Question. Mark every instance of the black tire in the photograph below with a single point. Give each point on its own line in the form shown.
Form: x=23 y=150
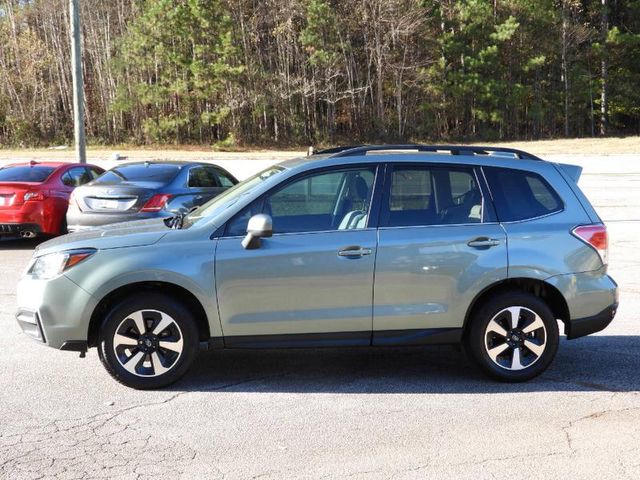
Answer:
x=155 y=308
x=479 y=340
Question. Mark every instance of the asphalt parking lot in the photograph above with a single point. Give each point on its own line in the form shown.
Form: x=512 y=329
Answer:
x=357 y=413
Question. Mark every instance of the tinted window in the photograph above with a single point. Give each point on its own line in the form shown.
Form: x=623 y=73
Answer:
x=432 y=196
x=95 y=172
x=140 y=172
x=74 y=177
x=203 y=177
x=519 y=195
x=229 y=197
x=226 y=180
x=337 y=200
x=25 y=174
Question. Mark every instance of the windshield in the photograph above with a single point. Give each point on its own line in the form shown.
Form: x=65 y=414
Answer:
x=140 y=172
x=25 y=174
x=229 y=197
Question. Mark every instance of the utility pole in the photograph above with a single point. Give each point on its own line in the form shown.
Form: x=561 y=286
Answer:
x=76 y=73
x=604 y=106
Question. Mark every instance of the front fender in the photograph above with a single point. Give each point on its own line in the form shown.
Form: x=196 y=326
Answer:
x=189 y=265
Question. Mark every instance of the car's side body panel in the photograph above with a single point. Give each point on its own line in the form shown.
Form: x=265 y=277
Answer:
x=296 y=284
x=427 y=276
x=586 y=293
x=178 y=259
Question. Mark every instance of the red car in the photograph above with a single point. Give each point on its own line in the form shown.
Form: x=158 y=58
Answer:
x=34 y=196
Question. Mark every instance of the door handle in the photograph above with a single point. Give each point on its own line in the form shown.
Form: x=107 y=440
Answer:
x=483 y=242
x=354 y=251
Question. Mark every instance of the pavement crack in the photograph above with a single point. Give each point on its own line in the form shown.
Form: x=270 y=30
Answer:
x=566 y=429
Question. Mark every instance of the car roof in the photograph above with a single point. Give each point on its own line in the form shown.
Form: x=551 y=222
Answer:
x=178 y=163
x=462 y=155
x=34 y=163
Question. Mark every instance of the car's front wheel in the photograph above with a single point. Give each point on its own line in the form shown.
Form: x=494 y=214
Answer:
x=148 y=341
x=513 y=337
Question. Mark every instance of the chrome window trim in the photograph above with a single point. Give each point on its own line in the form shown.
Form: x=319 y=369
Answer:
x=313 y=232
x=440 y=225
x=550 y=214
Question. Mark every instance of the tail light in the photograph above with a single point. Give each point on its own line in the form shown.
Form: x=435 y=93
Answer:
x=595 y=236
x=33 y=196
x=72 y=200
x=156 y=203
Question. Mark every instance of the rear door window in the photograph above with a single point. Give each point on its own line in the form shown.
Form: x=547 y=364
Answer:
x=74 y=177
x=422 y=195
x=95 y=172
x=226 y=180
x=520 y=195
x=203 y=177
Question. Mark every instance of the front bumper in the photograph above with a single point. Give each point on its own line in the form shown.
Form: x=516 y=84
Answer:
x=29 y=322
x=55 y=312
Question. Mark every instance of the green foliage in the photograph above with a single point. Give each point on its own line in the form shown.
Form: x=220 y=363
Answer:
x=320 y=36
x=182 y=52
x=224 y=73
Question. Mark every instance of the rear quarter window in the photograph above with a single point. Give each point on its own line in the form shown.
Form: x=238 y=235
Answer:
x=521 y=195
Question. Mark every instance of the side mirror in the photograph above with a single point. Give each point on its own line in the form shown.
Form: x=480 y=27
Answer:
x=259 y=226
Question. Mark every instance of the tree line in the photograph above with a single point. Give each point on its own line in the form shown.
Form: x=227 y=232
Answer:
x=285 y=72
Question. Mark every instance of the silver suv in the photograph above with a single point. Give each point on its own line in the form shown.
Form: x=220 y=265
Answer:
x=358 y=246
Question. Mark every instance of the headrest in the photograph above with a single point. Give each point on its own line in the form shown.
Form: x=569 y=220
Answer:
x=358 y=188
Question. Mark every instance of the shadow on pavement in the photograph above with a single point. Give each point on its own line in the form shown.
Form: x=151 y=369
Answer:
x=14 y=243
x=598 y=363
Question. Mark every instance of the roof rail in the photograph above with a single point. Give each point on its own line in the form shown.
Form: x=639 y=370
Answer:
x=332 y=150
x=452 y=149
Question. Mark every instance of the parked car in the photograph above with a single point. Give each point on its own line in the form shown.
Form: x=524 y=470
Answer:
x=142 y=190
x=371 y=245
x=34 y=196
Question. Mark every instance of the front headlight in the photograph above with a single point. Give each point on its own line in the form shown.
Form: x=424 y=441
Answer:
x=53 y=264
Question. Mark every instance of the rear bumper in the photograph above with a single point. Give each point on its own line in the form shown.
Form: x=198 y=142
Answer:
x=588 y=325
x=39 y=216
x=17 y=228
x=592 y=299
x=77 y=221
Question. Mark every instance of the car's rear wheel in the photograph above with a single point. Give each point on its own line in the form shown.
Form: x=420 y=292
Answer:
x=148 y=342
x=513 y=337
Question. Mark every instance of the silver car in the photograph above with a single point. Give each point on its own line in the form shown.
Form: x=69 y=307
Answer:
x=142 y=190
x=363 y=246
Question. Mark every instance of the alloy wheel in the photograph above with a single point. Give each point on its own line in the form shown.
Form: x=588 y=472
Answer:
x=148 y=343
x=515 y=338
